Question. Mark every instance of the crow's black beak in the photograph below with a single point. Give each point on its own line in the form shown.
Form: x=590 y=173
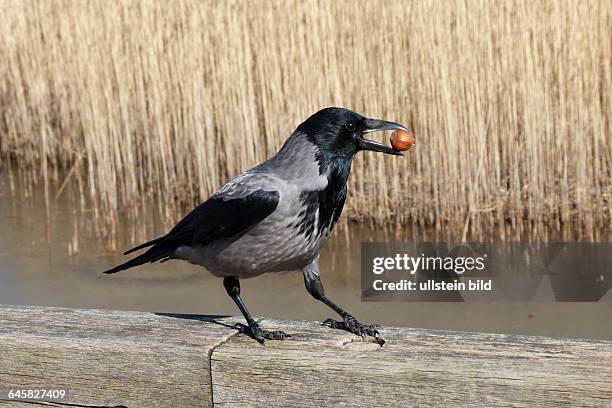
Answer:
x=374 y=125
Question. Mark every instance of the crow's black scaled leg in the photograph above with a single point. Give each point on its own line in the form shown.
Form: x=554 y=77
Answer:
x=314 y=286
x=232 y=286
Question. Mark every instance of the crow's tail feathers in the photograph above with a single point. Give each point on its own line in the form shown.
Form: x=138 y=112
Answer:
x=146 y=244
x=160 y=251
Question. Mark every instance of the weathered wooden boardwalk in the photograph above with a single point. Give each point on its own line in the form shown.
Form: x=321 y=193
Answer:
x=135 y=359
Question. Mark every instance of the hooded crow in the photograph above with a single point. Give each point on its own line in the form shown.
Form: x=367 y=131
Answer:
x=276 y=216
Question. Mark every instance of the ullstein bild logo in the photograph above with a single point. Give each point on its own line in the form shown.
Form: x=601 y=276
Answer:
x=476 y=272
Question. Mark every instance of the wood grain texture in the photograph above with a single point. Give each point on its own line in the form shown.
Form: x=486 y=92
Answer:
x=136 y=359
x=109 y=358
x=324 y=367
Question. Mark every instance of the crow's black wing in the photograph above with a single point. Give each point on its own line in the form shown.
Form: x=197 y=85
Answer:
x=223 y=218
x=216 y=218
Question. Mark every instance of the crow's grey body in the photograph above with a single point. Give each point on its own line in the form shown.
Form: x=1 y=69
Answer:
x=276 y=216
x=275 y=243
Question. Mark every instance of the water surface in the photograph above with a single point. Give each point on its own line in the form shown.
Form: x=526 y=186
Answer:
x=54 y=255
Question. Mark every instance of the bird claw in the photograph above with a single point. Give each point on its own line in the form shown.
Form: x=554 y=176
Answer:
x=261 y=335
x=350 y=324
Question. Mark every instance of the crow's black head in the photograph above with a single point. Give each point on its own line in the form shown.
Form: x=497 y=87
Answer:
x=340 y=132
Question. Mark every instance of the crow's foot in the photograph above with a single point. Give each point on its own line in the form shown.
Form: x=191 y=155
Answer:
x=261 y=335
x=350 y=324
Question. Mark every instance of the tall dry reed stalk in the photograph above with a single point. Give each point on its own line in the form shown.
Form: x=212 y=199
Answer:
x=148 y=101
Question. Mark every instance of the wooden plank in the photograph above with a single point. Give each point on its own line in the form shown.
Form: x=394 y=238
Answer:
x=134 y=359
x=109 y=358
x=324 y=367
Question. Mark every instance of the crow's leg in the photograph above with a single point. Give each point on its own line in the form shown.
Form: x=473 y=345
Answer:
x=312 y=280
x=232 y=286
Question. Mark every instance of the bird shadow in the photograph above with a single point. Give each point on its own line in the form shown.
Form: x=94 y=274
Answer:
x=241 y=328
x=201 y=318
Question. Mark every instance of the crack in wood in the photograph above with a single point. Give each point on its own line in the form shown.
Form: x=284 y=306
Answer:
x=210 y=370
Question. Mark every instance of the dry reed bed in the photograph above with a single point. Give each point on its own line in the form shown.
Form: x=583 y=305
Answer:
x=511 y=102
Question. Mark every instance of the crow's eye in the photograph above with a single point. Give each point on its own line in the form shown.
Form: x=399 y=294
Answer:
x=350 y=126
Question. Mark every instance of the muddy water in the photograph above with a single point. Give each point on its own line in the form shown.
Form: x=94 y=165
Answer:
x=54 y=254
